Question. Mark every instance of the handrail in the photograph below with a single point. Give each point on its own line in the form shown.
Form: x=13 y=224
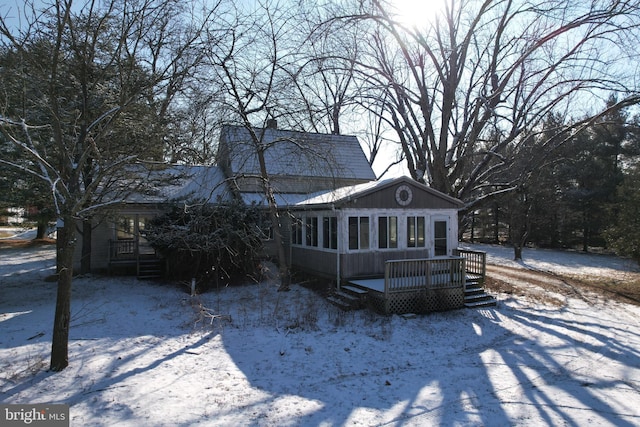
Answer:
x=122 y=249
x=427 y=273
x=476 y=262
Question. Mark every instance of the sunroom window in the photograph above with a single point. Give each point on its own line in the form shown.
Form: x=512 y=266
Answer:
x=387 y=232
x=358 y=232
x=415 y=232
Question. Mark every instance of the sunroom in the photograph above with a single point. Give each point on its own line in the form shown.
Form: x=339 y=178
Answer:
x=394 y=236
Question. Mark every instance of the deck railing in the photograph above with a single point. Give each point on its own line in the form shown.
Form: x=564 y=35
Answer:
x=431 y=273
x=475 y=263
x=123 y=249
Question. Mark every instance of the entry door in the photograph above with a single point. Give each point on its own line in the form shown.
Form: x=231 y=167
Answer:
x=440 y=237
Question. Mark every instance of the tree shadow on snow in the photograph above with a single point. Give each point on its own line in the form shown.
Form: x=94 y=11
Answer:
x=465 y=367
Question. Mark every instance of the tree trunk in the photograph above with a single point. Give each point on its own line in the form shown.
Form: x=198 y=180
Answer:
x=41 y=230
x=283 y=264
x=85 y=259
x=60 y=341
x=517 y=251
x=285 y=277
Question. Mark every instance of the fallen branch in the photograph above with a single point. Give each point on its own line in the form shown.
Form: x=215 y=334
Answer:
x=207 y=313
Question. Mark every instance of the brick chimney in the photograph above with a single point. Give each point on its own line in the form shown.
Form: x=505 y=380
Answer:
x=272 y=124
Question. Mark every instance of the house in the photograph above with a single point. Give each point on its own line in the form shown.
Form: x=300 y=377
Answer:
x=394 y=240
x=117 y=244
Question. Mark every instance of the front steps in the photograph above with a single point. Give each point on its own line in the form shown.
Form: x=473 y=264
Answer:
x=476 y=297
x=348 y=298
x=149 y=268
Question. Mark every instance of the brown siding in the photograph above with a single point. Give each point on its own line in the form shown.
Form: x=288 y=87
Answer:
x=386 y=198
x=321 y=263
x=371 y=264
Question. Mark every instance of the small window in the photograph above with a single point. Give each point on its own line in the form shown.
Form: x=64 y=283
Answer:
x=358 y=232
x=330 y=232
x=125 y=228
x=312 y=231
x=296 y=231
x=440 y=237
x=266 y=227
x=415 y=232
x=388 y=232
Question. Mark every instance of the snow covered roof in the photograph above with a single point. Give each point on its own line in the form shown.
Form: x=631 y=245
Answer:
x=346 y=194
x=291 y=153
x=182 y=182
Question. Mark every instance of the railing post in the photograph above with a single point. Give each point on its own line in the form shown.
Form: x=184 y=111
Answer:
x=387 y=276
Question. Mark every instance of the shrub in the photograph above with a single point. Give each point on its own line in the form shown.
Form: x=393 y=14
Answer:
x=209 y=242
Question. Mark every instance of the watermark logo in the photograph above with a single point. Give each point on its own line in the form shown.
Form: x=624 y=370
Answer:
x=41 y=415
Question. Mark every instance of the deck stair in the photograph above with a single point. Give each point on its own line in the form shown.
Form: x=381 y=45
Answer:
x=475 y=296
x=348 y=298
x=149 y=268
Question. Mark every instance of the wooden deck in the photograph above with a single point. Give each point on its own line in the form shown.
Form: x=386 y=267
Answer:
x=424 y=285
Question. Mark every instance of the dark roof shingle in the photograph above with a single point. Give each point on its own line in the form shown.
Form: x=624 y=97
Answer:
x=291 y=153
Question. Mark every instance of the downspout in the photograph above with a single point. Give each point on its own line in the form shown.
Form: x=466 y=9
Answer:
x=338 y=245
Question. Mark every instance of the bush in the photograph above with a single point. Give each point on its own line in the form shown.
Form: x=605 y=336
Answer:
x=213 y=243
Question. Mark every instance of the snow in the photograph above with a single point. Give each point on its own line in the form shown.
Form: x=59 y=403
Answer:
x=143 y=353
x=560 y=262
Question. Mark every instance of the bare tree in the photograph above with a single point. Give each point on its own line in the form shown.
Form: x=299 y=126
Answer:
x=101 y=66
x=249 y=66
x=475 y=81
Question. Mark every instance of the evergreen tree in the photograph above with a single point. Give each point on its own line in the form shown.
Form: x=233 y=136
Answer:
x=624 y=233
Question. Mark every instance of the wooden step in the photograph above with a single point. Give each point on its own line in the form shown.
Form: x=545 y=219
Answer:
x=479 y=300
x=354 y=290
x=479 y=304
x=345 y=300
x=473 y=291
x=149 y=269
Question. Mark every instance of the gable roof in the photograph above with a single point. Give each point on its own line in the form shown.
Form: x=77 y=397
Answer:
x=347 y=194
x=294 y=154
x=351 y=193
x=205 y=183
x=182 y=182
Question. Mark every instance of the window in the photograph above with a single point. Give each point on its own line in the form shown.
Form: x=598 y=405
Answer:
x=358 y=232
x=330 y=232
x=296 y=231
x=415 y=232
x=130 y=235
x=125 y=228
x=266 y=227
x=440 y=237
x=388 y=232
x=312 y=231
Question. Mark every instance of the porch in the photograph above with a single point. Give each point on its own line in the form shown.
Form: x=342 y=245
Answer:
x=425 y=285
x=130 y=255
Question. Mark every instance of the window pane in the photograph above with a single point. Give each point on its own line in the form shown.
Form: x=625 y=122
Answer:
x=353 y=232
x=312 y=229
x=296 y=231
x=411 y=231
x=330 y=232
x=440 y=237
x=334 y=232
x=325 y=232
x=124 y=227
x=420 y=231
x=382 y=232
x=364 y=232
x=393 y=232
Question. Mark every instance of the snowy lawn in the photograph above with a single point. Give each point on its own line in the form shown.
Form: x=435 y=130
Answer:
x=141 y=354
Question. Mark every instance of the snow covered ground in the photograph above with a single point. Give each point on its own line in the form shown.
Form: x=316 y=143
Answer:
x=142 y=354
